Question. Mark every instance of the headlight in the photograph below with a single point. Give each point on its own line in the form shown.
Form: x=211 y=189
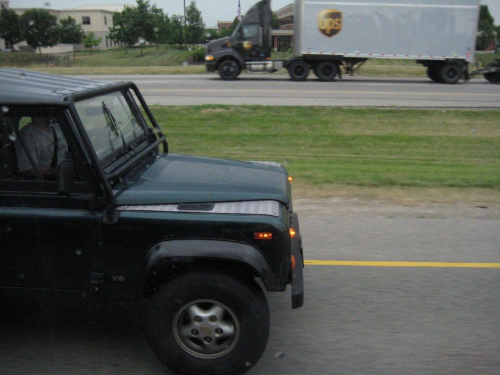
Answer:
x=209 y=58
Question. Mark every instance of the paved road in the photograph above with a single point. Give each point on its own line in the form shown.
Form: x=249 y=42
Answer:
x=349 y=92
x=356 y=319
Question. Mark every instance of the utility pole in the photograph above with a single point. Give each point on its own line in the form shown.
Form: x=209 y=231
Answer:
x=184 y=30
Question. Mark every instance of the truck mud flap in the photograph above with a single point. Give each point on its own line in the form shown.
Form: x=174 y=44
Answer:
x=297 y=272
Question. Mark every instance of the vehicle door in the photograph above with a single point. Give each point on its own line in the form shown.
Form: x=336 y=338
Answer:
x=249 y=41
x=49 y=240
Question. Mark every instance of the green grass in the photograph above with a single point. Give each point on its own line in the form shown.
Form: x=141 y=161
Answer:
x=168 y=60
x=151 y=56
x=349 y=147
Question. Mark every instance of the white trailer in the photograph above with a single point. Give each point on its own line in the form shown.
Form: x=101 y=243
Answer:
x=399 y=29
x=440 y=34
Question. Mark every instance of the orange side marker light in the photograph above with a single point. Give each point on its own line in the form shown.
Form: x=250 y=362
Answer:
x=263 y=236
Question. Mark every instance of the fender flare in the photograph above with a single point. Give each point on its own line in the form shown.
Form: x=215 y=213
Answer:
x=171 y=251
x=291 y=60
x=228 y=54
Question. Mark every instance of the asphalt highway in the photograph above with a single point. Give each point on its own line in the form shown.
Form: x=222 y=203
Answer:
x=278 y=89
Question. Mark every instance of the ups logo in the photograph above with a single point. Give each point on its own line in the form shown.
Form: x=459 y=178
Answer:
x=330 y=22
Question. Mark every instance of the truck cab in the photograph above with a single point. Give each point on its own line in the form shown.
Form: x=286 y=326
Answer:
x=249 y=47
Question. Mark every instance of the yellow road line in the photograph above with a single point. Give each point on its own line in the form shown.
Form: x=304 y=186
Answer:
x=355 y=263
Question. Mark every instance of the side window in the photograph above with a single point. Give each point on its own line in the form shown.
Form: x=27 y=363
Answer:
x=250 y=31
x=33 y=143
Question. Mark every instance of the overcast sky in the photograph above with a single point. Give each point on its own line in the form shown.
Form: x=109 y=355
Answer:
x=212 y=10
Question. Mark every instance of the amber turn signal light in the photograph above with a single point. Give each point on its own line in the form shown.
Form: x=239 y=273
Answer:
x=263 y=236
x=292 y=233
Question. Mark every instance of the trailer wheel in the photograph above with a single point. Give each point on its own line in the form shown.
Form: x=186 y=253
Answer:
x=229 y=70
x=326 y=71
x=433 y=72
x=450 y=73
x=493 y=77
x=298 y=70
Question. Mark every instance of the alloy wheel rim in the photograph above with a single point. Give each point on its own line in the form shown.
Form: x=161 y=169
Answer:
x=206 y=329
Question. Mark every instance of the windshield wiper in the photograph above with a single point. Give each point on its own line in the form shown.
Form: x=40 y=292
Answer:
x=112 y=125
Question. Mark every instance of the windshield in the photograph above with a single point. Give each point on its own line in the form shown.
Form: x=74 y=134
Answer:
x=110 y=123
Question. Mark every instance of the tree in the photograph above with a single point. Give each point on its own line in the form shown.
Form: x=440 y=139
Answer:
x=9 y=27
x=210 y=34
x=486 y=28
x=229 y=31
x=90 y=41
x=194 y=25
x=275 y=22
x=161 y=27
x=39 y=28
x=135 y=24
x=143 y=22
x=175 y=34
x=71 y=33
x=123 y=30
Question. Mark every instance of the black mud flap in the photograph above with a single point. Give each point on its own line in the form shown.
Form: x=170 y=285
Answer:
x=297 y=272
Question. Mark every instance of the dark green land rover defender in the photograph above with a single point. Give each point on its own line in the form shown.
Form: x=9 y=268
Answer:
x=92 y=203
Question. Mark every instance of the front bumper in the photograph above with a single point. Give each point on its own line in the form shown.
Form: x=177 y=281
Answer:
x=297 y=272
x=210 y=65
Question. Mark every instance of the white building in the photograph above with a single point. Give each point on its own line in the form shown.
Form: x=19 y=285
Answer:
x=93 y=18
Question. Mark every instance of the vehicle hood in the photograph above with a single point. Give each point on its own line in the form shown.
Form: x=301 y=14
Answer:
x=170 y=179
x=217 y=44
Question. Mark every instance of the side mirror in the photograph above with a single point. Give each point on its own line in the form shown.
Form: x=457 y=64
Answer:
x=65 y=173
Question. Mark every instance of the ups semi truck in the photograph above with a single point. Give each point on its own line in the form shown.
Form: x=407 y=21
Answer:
x=439 y=34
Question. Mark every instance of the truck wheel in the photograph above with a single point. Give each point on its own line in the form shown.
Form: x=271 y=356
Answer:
x=326 y=70
x=298 y=70
x=493 y=77
x=208 y=323
x=450 y=73
x=229 y=70
x=433 y=72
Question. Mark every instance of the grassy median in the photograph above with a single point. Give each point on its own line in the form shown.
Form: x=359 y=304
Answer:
x=168 y=60
x=330 y=150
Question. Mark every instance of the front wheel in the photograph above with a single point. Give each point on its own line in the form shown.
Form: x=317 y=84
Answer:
x=208 y=323
x=229 y=70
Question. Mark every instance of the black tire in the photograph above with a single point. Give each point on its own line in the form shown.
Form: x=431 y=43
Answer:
x=433 y=72
x=326 y=71
x=229 y=70
x=493 y=77
x=208 y=323
x=298 y=70
x=450 y=73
